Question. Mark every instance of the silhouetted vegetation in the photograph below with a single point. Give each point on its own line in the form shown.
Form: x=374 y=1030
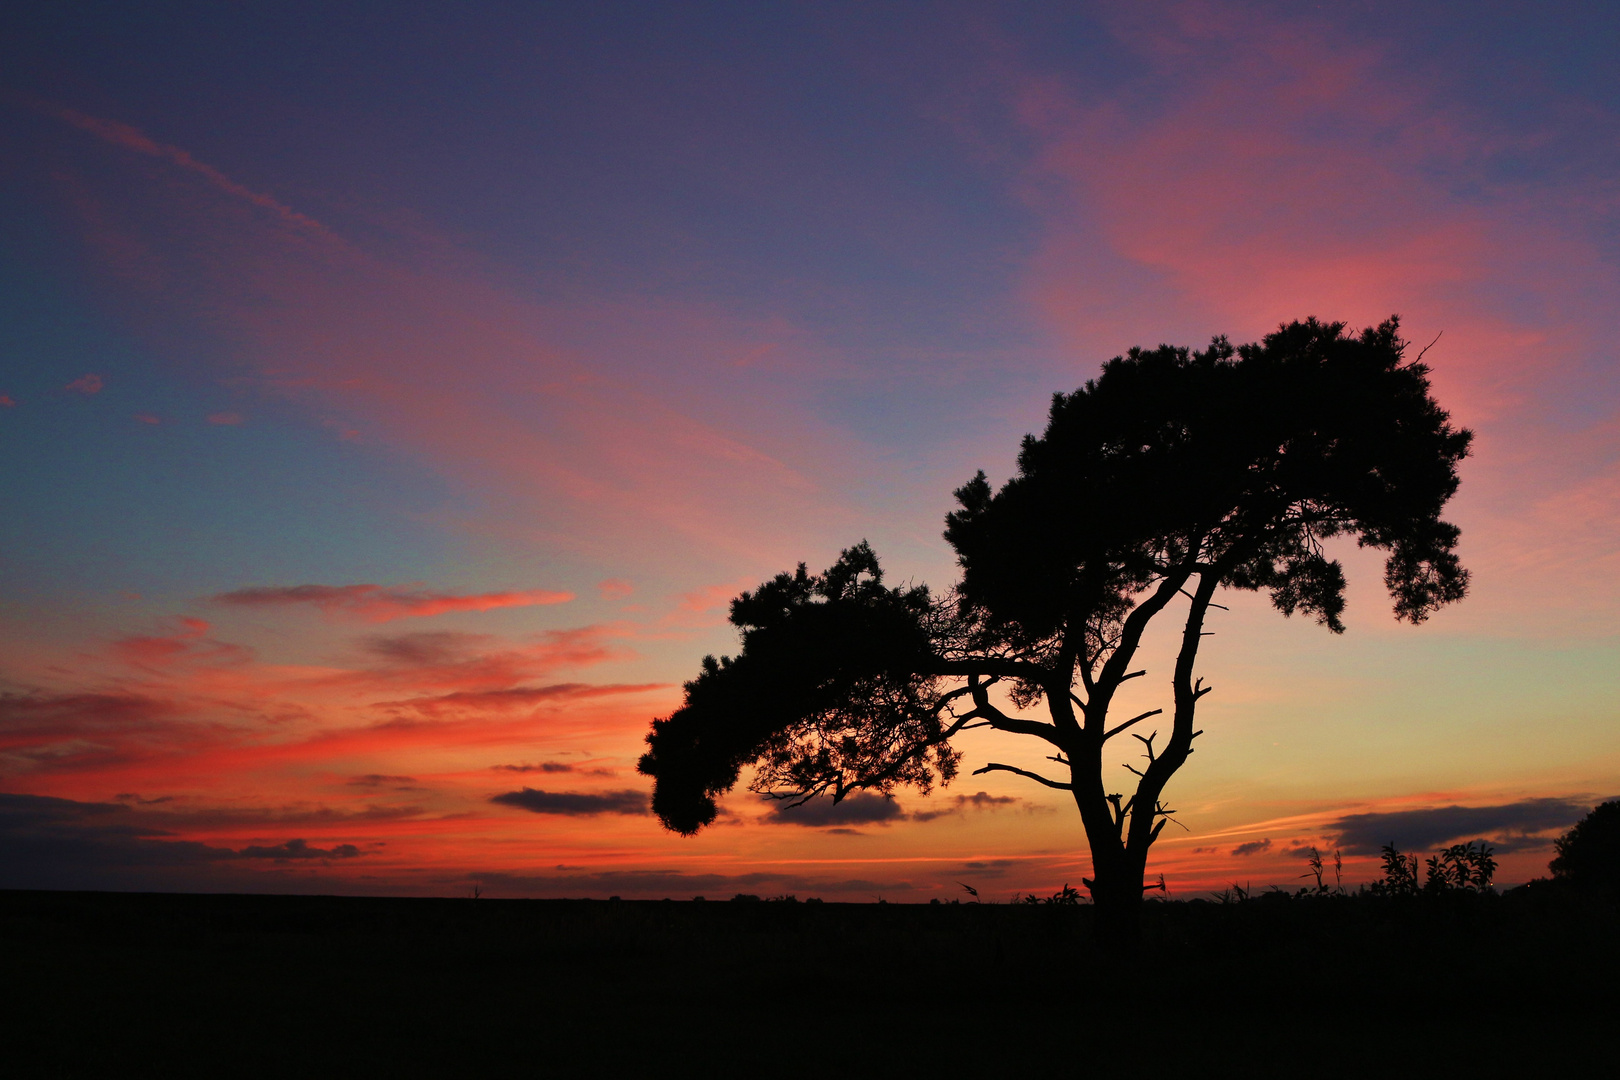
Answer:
x=1589 y=854
x=1172 y=475
x=1460 y=868
x=123 y=985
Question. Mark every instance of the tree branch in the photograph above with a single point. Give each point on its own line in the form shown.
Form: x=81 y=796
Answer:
x=1130 y=635
x=994 y=767
x=1002 y=722
x=1190 y=596
x=1133 y=720
x=1427 y=347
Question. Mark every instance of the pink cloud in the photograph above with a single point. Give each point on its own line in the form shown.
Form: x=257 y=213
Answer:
x=225 y=418
x=615 y=588
x=711 y=598
x=376 y=603
x=562 y=411
x=147 y=418
x=129 y=138
x=1293 y=170
x=86 y=384
x=6 y=401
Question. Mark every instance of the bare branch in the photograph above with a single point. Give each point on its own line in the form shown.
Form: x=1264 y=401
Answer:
x=1147 y=741
x=1429 y=346
x=994 y=767
x=1002 y=722
x=1133 y=720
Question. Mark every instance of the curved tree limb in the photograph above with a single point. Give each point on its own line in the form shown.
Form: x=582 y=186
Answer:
x=1133 y=720
x=1039 y=779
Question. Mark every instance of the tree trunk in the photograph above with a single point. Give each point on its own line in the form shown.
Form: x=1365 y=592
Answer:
x=1118 y=903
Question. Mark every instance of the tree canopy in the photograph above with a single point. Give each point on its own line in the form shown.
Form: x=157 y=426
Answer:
x=1588 y=856
x=1174 y=473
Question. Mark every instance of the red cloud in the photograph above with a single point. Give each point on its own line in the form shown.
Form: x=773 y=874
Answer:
x=189 y=644
x=376 y=604
x=226 y=418
x=86 y=384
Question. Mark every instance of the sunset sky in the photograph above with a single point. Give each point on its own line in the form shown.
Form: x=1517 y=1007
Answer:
x=393 y=396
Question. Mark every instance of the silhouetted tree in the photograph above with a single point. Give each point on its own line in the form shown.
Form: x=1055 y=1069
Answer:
x=1589 y=854
x=1170 y=476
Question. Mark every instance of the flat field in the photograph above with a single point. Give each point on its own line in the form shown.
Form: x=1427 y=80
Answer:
x=106 y=984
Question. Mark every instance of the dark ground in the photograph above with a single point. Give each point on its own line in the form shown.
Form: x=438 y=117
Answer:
x=102 y=984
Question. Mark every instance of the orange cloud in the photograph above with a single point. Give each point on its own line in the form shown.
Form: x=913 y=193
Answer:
x=377 y=604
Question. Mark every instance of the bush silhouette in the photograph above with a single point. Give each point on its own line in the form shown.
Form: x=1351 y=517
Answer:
x=1589 y=854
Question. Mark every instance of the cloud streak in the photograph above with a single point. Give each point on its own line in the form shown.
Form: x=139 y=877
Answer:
x=380 y=604
x=861 y=808
x=130 y=138
x=576 y=803
x=1526 y=825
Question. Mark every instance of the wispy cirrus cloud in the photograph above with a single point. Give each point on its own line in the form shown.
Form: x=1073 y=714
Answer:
x=512 y=698
x=379 y=603
x=131 y=138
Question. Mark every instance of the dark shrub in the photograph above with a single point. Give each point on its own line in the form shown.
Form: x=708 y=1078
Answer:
x=1589 y=854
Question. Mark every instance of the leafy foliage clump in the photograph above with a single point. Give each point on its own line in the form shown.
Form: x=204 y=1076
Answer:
x=1588 y=856
x=1467 y=867
x=829 y=685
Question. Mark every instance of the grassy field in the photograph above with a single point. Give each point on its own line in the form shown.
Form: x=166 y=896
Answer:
x=101 y=984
